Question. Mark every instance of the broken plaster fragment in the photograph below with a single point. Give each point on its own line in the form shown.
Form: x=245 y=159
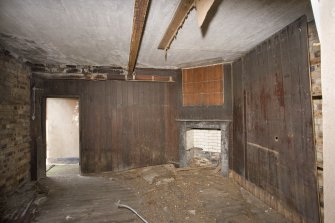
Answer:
x=68 y=217
x=191 y=212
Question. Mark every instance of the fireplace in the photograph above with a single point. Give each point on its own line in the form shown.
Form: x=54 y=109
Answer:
x=205 y=139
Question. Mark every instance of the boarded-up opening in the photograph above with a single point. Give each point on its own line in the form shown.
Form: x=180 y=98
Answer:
x=203 y=86
x=62 y=131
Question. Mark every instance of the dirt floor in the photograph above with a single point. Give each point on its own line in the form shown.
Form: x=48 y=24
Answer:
x=159 y=193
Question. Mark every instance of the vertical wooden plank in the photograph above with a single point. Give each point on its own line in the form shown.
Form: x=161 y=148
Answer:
x=125 y=126
x=172 y=135
x=238 y=120
x=136 y=130
x=278 y=138
x=91 y=154
x=119 y=119
x=107 y=155
x=114 y=135
x=83 y=128
x=287 y=173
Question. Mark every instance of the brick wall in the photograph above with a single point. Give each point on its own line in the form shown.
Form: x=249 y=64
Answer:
x=315 y=68
x=315 y=72
x=208 y=140
x=14 y=123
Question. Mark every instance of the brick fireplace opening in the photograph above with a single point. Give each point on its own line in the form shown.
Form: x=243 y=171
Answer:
x=204 y=141
x=203 y=147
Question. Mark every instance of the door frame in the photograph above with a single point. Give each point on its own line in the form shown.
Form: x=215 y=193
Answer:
x=43 y=150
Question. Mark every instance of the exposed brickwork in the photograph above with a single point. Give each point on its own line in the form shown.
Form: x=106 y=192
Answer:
x=208 y=140
x=315 y=68
x=317 y=112
x=315 y=63
x=14 y=123
x=315 y=58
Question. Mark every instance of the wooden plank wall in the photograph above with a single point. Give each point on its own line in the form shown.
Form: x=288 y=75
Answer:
x=122 y=124
x=237 y=162
x=273 y=132
x=223 y=112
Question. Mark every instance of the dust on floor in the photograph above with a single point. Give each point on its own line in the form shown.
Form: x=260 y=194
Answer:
x=160 y=194
x=169 y=194
x=75 y=198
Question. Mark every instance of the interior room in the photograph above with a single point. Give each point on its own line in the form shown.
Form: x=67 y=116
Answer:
x=167 y=111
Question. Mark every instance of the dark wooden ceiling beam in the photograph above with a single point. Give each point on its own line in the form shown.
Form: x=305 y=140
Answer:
x=177 y=21
x=140 y=11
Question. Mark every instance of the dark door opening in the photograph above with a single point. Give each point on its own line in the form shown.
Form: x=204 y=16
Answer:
x=62 y=132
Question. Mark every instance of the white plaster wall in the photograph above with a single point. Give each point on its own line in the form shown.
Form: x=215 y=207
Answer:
x=62 y=128
x=327 y=25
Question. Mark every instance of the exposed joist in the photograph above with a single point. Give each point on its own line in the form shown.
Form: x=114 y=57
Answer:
x=140 y=12
x=75 y=69
x=81 y=72
x=202 y=7
x=94 y=73
x=104 y=77
x=78 y=76
x=153 y=78
x=177 y=21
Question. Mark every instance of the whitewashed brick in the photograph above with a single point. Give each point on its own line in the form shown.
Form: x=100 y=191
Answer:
x=208 y=140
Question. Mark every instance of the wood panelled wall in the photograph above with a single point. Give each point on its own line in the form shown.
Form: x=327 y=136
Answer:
x=122 y=124
x=273 y=133
x=202 y=112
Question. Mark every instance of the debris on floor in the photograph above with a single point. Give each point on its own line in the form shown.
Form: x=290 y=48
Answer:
x=72 y=197
x=192 y=194
x=131 y=209
x=21 y=206
x=163 y=194
x=197 y=157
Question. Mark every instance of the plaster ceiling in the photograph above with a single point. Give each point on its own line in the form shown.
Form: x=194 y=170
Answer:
x=90 y=32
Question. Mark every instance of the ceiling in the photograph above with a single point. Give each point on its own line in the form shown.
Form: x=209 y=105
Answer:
x=90 y=32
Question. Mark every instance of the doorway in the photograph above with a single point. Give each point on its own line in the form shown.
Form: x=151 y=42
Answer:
x=62 y=132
